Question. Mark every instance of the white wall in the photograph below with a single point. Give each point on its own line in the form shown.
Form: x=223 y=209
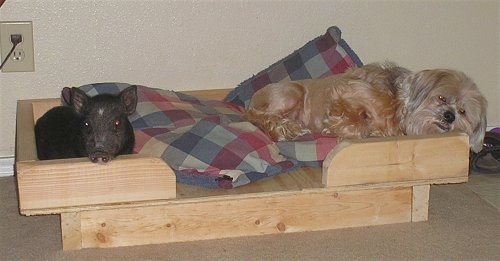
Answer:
x=183 y=45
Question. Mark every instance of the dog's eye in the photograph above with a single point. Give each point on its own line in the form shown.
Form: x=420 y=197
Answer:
x=442 y=98
x=461 y=111
x=117 y=123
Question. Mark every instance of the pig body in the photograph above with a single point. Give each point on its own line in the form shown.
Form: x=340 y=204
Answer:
x=95 y=127
x=58 y=134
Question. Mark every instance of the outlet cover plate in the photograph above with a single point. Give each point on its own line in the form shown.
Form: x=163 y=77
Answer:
x=23 y=57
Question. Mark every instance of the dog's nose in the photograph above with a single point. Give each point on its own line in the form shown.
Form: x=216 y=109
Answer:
x=449 y=116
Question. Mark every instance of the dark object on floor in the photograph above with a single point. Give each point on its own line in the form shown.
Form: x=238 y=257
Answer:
x=487 y=161
x=96 y=127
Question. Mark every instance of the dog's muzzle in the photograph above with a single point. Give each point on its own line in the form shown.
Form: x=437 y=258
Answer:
x=449 y=117
x=445 y=122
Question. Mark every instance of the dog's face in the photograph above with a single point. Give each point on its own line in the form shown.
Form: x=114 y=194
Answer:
x=438 y=101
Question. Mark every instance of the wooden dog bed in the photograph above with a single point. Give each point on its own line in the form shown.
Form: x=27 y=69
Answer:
x=134 y=199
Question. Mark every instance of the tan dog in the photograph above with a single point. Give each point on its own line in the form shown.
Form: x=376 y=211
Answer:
x=375 y=100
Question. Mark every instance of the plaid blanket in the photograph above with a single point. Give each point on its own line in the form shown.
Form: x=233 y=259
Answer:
x=208 y=143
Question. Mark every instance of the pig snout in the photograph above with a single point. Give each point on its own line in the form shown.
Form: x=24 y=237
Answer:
x=99 y=157
x=99 y=153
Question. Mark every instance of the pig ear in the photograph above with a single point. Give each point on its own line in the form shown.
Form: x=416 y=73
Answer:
x=66 y=96
x=129 y=98
x=78 y=99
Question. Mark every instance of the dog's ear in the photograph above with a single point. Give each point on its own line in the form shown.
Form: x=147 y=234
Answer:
x=475 y=105
x=476 y=138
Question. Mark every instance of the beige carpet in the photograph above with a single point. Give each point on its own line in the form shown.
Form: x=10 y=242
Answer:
x=461 y=226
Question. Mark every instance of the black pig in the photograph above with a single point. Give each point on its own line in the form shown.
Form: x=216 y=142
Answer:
x=95 y=127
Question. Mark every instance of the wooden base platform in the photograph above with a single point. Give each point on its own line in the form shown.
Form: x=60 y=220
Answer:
x=134 y=199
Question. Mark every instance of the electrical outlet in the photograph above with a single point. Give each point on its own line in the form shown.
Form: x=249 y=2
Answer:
x=22 y=58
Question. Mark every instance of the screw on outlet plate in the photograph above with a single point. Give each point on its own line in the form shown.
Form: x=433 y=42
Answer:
x=22 y=58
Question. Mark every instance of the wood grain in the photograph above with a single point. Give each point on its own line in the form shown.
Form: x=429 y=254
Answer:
x=54 y=184
x=25 y=133
x=227 y=217
x=420 y=203
x=71 y=231
x=397 y=159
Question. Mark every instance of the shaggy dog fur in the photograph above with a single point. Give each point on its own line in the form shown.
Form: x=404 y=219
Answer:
x=374 y=100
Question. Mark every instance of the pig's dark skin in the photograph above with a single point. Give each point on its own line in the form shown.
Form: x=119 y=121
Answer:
x=94 y=127
x=58 y=134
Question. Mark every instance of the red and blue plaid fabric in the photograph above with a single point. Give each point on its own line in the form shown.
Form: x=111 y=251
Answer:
x=326 y=55
x=206 y=142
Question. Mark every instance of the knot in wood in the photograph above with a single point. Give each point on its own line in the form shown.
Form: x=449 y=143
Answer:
x=281 y=227
x=101 y=238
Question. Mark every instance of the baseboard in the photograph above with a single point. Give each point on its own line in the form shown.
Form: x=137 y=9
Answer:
x=6 y=166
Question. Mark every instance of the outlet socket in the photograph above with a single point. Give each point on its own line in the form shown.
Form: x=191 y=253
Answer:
x=23 y=57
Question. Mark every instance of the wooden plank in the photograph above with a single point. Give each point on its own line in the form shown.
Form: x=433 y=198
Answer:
x=57 y=184
x=244 y=192
x=300 y=179
x=186 y=220
x=290 y=183
x=213 y=94
x=293 y=182
x=40 y=107
x=25 y=135
x=28 y=111
x=420 y=203
x=71 y=231
x=397 y=159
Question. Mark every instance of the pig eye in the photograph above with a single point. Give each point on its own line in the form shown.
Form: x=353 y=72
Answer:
x=117 y=123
